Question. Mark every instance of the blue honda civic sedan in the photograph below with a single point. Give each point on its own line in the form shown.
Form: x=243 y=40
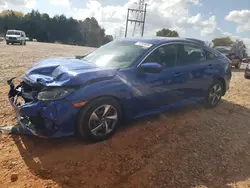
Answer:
x=124 y=79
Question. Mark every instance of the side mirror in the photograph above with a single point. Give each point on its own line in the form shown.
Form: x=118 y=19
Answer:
x=151 y=67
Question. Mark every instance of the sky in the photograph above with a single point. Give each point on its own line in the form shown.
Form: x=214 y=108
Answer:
x=202 y=19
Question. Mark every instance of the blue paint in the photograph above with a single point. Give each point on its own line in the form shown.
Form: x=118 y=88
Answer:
x=139 y=93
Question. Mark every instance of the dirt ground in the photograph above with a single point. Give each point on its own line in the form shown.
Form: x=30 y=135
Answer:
x=189 y=147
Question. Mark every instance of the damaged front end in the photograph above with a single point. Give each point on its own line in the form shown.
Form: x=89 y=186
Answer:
x=35 y=117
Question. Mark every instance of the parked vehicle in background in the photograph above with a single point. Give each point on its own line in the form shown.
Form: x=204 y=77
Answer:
x=124 y=79
x=227 y=51
x=15 y=36
x=247 y=71
x=246 y=60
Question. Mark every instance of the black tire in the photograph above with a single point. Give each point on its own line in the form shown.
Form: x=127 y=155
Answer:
x=82 y=125
x=24 y=42
x=7 y=43
x=208 y=102
x=21 y=43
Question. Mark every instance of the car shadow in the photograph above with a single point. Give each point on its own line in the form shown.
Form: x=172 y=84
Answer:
x=186 y=147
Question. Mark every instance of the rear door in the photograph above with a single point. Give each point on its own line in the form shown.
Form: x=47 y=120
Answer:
x=195 y=70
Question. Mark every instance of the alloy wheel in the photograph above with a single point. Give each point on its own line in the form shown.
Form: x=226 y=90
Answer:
x=215 y=94
x=103 y=120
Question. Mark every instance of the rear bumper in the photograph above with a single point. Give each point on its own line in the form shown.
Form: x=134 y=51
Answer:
x=50 y=119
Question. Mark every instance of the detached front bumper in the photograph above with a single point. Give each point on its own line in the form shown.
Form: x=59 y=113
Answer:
x=51 y=119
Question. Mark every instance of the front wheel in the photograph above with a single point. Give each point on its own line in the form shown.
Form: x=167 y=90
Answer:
x=99 y=119
x=214 y=94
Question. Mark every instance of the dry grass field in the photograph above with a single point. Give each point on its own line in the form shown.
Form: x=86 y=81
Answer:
x=187 y=148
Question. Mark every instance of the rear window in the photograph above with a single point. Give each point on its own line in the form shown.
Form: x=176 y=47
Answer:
x=13 y=33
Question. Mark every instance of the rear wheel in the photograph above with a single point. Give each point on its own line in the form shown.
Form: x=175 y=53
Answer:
x=214 y=94
x=7 y=43
x=99 y=119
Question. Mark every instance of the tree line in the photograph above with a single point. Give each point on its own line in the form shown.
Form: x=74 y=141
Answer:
x=43 y=28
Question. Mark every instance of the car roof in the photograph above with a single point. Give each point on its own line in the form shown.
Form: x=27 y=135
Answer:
x=15 y=30
x=159 y=40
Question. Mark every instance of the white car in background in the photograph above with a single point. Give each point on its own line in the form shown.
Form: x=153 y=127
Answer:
x=15 y=36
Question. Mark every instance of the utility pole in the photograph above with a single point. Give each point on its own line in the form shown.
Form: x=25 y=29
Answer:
x=140 y=18
x=144 y=19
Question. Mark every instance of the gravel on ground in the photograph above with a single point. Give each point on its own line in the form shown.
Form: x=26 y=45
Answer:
x=189 y=147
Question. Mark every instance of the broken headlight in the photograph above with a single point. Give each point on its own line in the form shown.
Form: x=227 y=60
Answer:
x=54 y=93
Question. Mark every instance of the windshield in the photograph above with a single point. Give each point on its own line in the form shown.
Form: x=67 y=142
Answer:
x=223 y=50
x=13 y=33
x=118 y=54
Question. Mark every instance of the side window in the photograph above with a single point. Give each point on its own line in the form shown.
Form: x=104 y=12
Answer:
x=165 y=55
x=210 y=56
x=190 y=54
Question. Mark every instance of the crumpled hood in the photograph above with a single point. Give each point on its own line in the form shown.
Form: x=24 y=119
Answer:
x=66 y=71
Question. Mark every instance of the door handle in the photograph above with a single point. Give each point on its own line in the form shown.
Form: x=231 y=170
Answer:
x=178 y=74
x=210 y=66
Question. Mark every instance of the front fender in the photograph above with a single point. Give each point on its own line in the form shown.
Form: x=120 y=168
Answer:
x=115 y=88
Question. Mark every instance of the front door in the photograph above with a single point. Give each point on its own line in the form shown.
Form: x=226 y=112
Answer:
x=159 y=89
